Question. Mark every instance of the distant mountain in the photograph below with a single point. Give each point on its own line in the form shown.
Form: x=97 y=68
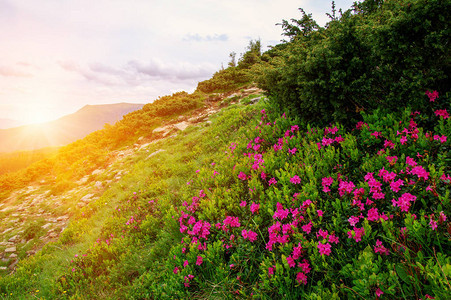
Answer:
x=64 y=130
x=8 y=123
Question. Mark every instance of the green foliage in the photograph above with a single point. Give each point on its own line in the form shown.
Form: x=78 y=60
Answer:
x=381 y=54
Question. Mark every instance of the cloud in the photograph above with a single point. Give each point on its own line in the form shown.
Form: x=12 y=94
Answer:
x=137 y=73
x=208 y=38
x=172 y=71
x=16 y=70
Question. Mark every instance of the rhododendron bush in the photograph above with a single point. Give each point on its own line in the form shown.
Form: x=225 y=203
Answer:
x=293 y=211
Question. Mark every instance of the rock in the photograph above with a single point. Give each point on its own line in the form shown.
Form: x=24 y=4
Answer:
x=30 y=252
x=53 y=235
x=12 y=256
x=3 y=244
x=14 y=215
x=140 y=138
x=251 y=90
x=3 y=268
x=7 y=230
x=14 y=239
x=164 y=130
x=144 y=146
x=46 y=225
x=6 y=209
x=155 y=153
x=161 y=129
x=97 y=172
x=233 y=95
x=10 y=250
x=255 y=100
x=98 y=184
x=83 y=180
x=87 y=198
x=62 y=218
x=182 y=125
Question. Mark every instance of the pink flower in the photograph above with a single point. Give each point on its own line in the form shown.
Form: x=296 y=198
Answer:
x=305 y=266
x=322 y=233
x=231 y=221
x=307 y=228
x=324 y=249
x=379 y=248
x=403 y=140
x=185 y=264
x=327 y=182
x=420 y=172
x=292 y=151
x=320 y=213
x=242 y=176
x=404 y=201
x=379 y=292
x=442 y=112
x=271 y=271
x=252 y=236
x=254 y=207
x=176 y=270
x=376 y=134
x=280 y=213
x=291 y=262
x=295 y=179
x=332 y=130
x=353 y=220
x=199 y=260
x=297 y=251
x=432 y=95
x=442 y=217
x=356 y=234
x=333 y=239
x=272 y=181
x=243 y=203
x=392 y=159
x=446 y=178
x=373 y=215
x=410 y=161
x=389 y=144
x=433 y=224
x=395 y=185
x=300 y=277
x=345 y=187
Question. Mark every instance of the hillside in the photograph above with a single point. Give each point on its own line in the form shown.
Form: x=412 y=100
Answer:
x=8 y=123
x=64 y=130
x=296 y=173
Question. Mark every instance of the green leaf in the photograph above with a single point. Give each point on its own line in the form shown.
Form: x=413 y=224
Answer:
x=403 y=274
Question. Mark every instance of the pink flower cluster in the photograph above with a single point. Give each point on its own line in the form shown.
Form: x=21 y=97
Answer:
x=295 y=179
x=404 y=201
x=442 y=113
x=432 y=95
x=249 y=234
x=379 y=248
x=327 y=182
x=254 y=207
x=356 y=234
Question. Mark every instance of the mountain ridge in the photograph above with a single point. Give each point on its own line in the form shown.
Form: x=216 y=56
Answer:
x=66 y=129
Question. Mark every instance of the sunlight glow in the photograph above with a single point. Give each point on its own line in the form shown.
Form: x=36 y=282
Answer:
x=39 y=115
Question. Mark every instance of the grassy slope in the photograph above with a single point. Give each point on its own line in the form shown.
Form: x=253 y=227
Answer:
x=161 y=175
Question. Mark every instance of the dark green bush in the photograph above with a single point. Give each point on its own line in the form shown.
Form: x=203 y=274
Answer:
x=380 y=54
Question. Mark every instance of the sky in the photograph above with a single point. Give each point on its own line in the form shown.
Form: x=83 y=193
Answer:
x=58 y=55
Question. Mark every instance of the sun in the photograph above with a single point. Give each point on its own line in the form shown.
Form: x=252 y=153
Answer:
x=39 y=115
